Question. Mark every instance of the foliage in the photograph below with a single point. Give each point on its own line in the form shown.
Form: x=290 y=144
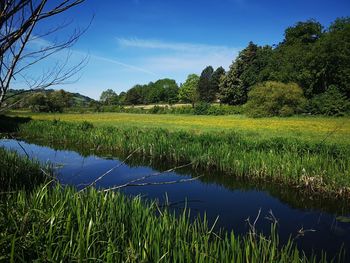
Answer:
x=20 y=173
x=109 y=97
x=163 y=90
x=188 y=92
x=243 y=74
x=330 y=103
x=204 y=85
x=215 y=82
x=275 y=99
x=54 y=101
x=201 y=108
x=63 y=225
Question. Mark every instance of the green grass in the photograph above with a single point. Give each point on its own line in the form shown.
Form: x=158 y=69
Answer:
x=316 y=167
x=55 y=224
x=20 y=173
x=314 y=129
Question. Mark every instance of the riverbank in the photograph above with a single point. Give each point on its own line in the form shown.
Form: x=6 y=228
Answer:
x=317 y=168
x=51 y=223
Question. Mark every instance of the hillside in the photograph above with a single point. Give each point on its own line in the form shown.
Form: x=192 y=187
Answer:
x=20 y=94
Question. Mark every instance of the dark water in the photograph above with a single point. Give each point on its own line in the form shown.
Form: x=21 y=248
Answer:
x=233 y=201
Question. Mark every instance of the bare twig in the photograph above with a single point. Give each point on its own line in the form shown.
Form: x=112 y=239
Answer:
x=154 y=183
x=150 y=175
x=112 y=169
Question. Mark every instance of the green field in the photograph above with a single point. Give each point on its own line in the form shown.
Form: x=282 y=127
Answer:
x=314 y=129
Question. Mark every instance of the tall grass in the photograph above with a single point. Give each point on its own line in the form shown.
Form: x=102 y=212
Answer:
x=55 y=225
x=20 y=173
x=316 y=167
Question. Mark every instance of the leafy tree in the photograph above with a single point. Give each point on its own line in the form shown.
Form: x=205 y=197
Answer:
x=235 y=85
x=331 y=102
x=62 y=98
x=204 y=84
x=275 y=99
x=332 y=58
x=188 y=91
x=121 y=98
x=167 y=91
x=38 y=102
x=215 y=82
x=294 y=59
x=109 y=97
x=136 y=95
x=303 y=32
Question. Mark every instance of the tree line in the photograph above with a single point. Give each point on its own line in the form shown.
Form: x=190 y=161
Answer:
x=308 y=71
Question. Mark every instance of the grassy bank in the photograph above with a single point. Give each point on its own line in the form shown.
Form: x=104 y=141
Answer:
x=314 y=129
x=55 y=224
x=316 y=167
x=20 y=173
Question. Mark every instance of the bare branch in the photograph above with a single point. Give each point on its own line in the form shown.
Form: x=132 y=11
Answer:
x=18 y=23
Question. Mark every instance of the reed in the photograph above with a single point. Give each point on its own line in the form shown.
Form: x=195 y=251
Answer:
x=317 y=167
x=20 y=173
x=51 y=223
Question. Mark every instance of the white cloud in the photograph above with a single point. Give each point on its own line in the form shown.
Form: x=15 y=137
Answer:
x=172 y=46
x=179 y=56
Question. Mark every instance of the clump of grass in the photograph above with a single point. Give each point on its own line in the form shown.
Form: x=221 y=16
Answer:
x=61 y=225
x=20 y=173
x=314 y=166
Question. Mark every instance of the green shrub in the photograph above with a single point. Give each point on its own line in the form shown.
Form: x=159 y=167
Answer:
x=275 y=99
x=201 y=108
x=331 y=103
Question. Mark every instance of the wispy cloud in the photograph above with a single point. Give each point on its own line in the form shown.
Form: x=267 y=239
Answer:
x=173 y=46
x=167 y=57
x=116 y=62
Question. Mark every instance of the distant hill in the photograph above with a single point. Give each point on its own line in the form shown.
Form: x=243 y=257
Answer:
x=79 y=99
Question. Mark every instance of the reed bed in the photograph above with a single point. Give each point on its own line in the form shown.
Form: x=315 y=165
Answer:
x=52 y=223
x=316 y=167
x=20 y=173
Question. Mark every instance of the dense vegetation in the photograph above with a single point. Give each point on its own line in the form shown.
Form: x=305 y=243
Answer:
x=316 y=167
x=48 y=223
x=46 y=100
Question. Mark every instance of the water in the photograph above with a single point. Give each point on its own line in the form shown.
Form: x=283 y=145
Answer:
x=233 y=201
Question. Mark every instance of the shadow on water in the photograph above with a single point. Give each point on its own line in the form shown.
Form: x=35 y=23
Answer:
x=315 y=224
x=11 y=124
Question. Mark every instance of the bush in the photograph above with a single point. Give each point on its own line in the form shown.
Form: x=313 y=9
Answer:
x=330 y=103
x=275 y=99
x=201 y=108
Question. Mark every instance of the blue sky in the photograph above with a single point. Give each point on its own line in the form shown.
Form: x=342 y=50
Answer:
x=138 y=41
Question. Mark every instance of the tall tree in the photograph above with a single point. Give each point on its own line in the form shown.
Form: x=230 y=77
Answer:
x=204 y=84
x=188 y=91
x=215 y=82
x=234 y=86
x=109 y=97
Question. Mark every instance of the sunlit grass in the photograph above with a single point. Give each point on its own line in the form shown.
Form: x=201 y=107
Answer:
x=316 y=166
x=307 y=128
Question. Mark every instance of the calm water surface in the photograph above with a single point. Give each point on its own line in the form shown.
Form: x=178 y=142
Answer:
x=233 y=201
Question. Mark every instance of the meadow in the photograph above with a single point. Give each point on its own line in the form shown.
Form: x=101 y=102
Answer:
x=308 y=128
x=51 y=223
